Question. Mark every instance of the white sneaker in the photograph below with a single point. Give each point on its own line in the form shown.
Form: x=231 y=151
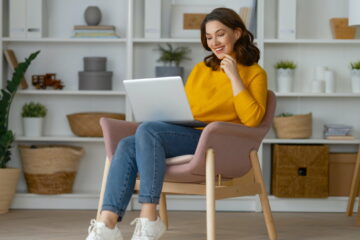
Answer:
x=148 y=230
x=98 y=231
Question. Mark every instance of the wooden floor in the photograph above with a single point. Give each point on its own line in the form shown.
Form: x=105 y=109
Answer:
x=72 y=225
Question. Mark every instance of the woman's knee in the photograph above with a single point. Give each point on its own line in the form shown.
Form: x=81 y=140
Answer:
x=149 y=127
x=126 y=146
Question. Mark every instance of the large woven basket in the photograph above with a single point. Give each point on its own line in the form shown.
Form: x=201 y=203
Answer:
x=297 y=126
x=87 y=124
x=50 y=169
x=341 y=30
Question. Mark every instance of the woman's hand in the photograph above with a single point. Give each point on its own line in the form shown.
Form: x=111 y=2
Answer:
x=229 y=65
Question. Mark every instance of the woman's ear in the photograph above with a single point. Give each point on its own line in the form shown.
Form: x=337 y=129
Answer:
x=238 y=33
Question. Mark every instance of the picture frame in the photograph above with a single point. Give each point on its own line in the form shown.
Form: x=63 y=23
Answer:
x=178 y=12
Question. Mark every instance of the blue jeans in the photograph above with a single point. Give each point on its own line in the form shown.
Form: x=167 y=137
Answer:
x=145 y=153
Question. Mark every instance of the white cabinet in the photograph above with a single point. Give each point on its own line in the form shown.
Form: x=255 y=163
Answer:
x=133 y=56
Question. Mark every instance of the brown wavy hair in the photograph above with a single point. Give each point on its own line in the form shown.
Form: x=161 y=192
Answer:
x=246 y=51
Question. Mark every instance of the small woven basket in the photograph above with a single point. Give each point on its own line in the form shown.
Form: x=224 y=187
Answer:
x=297 y=126
x=340 y=29
x=50 y=169
x=87 y=124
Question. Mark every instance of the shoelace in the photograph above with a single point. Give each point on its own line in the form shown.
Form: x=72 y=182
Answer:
x=138 y=226
x=94 y=228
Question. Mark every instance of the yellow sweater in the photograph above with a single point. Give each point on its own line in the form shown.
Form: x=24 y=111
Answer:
x=211 y=98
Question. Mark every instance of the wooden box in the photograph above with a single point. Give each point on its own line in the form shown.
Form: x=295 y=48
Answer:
x=341 y=169
x=341 y=30
x=300 y=171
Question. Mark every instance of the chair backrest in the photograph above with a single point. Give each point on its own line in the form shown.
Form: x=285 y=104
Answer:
x=232 y=152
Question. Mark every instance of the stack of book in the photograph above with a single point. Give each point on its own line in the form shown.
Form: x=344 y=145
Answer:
x=98 y=31
x=338 y=132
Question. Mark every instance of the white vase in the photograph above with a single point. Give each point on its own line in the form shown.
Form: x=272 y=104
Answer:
x=285 y=78
x=33 y=126
x=355 y=80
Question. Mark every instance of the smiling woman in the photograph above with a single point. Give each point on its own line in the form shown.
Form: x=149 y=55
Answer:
x=228 y=86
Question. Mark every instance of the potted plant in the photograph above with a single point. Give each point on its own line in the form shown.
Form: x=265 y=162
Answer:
x=285 y=76
x=9 y=176
x=171 y=57
x=355 y=77
x=33 y=116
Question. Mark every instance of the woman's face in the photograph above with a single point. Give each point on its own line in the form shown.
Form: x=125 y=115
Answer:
x=220 y=38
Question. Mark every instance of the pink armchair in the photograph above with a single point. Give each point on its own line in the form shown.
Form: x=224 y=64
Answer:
x=226 y=152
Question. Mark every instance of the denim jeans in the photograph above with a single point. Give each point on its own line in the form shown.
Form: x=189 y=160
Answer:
x=145 y=153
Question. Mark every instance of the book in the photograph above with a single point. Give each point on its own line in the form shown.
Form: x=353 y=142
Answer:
x=347 y=137
x=97 y=27
x=13 y=63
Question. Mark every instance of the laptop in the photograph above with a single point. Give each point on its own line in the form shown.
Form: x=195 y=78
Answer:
x=160 y=99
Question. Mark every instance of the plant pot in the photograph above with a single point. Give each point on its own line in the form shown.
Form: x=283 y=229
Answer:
x=293 y=127
x=285 y=79
x=355 y=80
x=167 y=71
x=33 y=126
x=8 y=180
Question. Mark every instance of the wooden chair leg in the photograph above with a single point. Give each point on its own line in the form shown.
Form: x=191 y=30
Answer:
x=210 y=195
x=103 y=187
x=269 y=221
x=163 y=210
x=358 y=216
x=355 y=185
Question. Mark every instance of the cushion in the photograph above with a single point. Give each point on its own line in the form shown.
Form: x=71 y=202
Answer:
x=179 y=159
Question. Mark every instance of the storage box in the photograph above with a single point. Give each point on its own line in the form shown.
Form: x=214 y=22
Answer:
x=341 y=30
x=300 y=171
x=341 y=169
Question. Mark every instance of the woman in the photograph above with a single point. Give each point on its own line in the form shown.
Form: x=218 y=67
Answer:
x=228 y=85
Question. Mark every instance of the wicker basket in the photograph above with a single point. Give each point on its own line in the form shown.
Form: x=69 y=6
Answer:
x=300 y=171
x=297 y=126
x=50 y=169
x=87 y=124
x=340 y=29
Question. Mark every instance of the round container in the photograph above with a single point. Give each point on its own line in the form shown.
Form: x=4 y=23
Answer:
x=95 y=80
x=87 y=124
x=294 y=127
x=94 y=64
x=50 y=169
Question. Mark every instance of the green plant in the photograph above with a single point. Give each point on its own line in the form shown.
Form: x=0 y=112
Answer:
x=172 y=55
x=6 y=97
x=355 y=65
x=33 y=110
x=285 y=115
x=285 y=65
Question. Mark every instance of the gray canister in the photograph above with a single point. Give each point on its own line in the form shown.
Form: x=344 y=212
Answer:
x=95 y=80
x=94 y=64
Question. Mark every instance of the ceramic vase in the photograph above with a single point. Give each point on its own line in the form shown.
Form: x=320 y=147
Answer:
x=92 y=15
x=285 y=79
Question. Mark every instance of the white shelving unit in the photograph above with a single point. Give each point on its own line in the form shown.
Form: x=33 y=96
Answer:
x=133 y=56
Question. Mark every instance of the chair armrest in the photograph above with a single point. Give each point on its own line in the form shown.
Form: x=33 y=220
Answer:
x=232 y=144
x=114 y=130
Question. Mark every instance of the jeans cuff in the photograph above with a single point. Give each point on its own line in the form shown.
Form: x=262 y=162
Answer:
x=148 y=199
x=110 y=208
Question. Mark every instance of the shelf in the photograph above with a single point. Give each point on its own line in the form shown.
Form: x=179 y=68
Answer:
x=310 y=141
x=165 y=40
x=303 y=94
x=312 y=41
x=66 y=40
x=71 y=92
x=58 y=139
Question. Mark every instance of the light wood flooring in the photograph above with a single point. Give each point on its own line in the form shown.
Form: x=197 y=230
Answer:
x=72 y=225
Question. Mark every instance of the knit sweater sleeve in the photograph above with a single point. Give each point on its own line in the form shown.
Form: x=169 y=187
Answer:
x=250 y=104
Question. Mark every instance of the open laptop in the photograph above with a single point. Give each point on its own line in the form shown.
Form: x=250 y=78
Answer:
x=160 y=99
